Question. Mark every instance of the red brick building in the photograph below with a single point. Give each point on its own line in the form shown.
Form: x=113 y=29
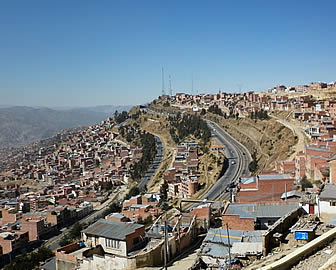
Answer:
x=263 y=188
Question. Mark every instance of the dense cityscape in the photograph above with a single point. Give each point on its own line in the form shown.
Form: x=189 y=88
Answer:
x=103 y=196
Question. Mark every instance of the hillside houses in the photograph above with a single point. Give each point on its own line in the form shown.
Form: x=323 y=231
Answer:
x=182 y=178
x=72 y=178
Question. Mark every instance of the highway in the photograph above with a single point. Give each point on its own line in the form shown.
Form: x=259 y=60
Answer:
x=154 y=166
x=238 y=157
x=238 y=160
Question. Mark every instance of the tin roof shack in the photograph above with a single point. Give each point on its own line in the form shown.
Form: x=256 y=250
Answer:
x=304 y=228
x=243 y=245
x=255 y=216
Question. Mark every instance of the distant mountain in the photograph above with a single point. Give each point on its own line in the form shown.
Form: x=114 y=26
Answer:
x=109 y=108
x=23 y=125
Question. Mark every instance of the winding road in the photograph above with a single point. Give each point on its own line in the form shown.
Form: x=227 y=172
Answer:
x=238 y=157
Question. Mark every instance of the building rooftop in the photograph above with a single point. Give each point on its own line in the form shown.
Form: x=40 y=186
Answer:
x=258 y=210
x=243 y=249
x=291 y=194
x=111 y=229
x=329 y=192
x=116 y=215
x=221 y=236
x=266 y=177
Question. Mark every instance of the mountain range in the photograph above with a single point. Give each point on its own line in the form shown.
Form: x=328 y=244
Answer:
x=21 y=125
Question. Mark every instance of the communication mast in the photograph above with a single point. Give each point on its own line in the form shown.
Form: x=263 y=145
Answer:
x=163 y=84
x=170 y=88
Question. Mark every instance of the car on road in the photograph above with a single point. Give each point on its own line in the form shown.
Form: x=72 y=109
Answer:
x=229 y=186
x=233 y=162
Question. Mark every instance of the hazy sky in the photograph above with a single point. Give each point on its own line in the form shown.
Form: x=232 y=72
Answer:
x=83 y=53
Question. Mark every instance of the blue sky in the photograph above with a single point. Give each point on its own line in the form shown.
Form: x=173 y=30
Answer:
x=85 y=53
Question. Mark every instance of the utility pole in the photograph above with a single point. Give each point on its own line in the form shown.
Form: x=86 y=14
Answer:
x=285 y=192
x=228 y=235
x=165 y=243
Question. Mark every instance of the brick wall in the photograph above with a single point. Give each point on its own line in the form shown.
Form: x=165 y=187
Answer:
x=235 y=222
x=332 y=176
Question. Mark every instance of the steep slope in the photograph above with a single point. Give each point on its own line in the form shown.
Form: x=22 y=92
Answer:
x=23 y=125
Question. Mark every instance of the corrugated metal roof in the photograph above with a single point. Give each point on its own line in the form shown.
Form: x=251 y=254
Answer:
x=252 y=236
x=318 y=149
x=329 y=192
x=111 y=229
x=215 y=250
x=253 y=179
x=221 y=236
x=274 y=176
x=242 y=249
x=259 y=210
x=116 y=215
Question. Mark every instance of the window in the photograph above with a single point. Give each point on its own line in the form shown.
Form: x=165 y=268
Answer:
x=332 y=203
x=111 y=243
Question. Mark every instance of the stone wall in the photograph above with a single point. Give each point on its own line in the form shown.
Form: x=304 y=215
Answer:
x=281 y=226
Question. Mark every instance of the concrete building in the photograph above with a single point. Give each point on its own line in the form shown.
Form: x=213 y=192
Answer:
x=326 y=201
x=117 y=238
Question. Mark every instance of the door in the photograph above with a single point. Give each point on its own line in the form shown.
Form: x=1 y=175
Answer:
x=311 y=209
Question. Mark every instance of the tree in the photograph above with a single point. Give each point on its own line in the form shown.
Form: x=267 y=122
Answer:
x=133 y=192
x=65 y=240
x=164 y=192
x=253 y=166
x=203 y=111
x=75 y=231
x=29 y=261
x=215 y=109
x=305 y=183
x=109 y=186
x=113 y=208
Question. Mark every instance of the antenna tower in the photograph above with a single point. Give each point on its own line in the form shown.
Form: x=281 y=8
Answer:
x=163 y=84
x=170 y=88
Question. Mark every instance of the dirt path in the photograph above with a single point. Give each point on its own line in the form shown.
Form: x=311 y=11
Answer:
x=298 y=132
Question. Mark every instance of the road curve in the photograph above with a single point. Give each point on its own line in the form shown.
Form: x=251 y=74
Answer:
x=155 y=164
x=238 y=157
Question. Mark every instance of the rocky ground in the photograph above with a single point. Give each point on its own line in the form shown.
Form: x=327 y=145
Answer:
x=317 y=260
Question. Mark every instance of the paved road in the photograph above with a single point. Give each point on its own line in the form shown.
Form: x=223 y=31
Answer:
x=53 y=243
x=155 y=165
x=238 y=157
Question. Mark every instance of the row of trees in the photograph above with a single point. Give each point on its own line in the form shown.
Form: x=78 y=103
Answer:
x=188 y=125
x=260 y=115
x=120 y=117
x=139 y=169
x=31 y=260
x=215 y=109
x=75 y=233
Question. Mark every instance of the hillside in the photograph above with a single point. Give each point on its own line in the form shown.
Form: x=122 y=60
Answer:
x=22 y=125
x=270 y=139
